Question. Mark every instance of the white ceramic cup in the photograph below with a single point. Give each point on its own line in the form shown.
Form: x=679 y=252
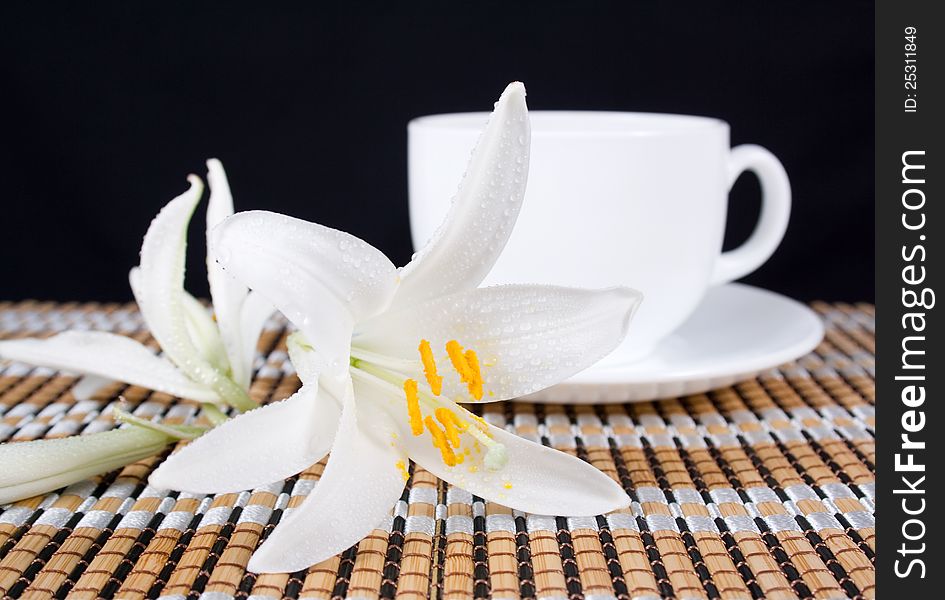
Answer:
x=613 y=198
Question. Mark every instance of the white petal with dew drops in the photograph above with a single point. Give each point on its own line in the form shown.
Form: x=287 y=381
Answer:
x=534 y=478
x=158 y=284
x=527 y=337
x=204 y=333
x=220 y=205
x=158 y=281
x=323 y=280
x=256 y=448
x=106 y=355
x=305 y=360
x=227 y=293
x=542 y=480
x=360 y=485
x=40 y=466
x=484 y=210
x=137 y=286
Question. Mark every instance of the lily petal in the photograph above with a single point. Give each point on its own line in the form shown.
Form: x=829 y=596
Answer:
x=467 y=244
x=322 y=279
x=534 y=478
x=227 y=293
x=40 y=466
x=527 y=337
x=158 y=285
x=204 y=334
x=305 y=360
x=158 y=282
x=108 y=356
x=360 y=485
x=137 y=285
x=256 y=448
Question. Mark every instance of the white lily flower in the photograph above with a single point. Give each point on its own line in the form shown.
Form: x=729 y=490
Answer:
x=372 y=353
x=206 y=361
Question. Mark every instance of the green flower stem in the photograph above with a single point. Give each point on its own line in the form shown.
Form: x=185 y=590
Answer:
x=382 y=374
x=213 y=412
x=180 y=432
x=233 y=394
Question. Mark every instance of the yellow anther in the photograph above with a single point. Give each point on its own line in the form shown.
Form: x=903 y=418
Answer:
x=413 y=406
x=429 y=368
x=475 y=384
x=440 y=442
x=467 y=365
x=402 y=467
x=455 y=352
x=451 y=424
x=507 y=485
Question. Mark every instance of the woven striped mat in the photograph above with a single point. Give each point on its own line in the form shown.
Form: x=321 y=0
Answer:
x=762 y=490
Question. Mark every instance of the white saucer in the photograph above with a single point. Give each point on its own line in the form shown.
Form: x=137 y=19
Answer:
x=736 y=332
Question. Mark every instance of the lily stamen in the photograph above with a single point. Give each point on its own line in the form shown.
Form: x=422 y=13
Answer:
x=440 y=442
x=389 y=363
x=451 y=423
x=429 y=368
x=467 y=365
x=496 y=455
x=413 y=406
x=475 y=385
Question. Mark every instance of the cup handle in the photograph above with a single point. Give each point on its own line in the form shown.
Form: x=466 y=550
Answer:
x=775 y=212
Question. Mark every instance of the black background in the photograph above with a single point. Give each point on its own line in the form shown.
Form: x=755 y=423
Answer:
x=106 y=107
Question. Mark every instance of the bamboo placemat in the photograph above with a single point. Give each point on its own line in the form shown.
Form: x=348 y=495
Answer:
x=762 y=490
